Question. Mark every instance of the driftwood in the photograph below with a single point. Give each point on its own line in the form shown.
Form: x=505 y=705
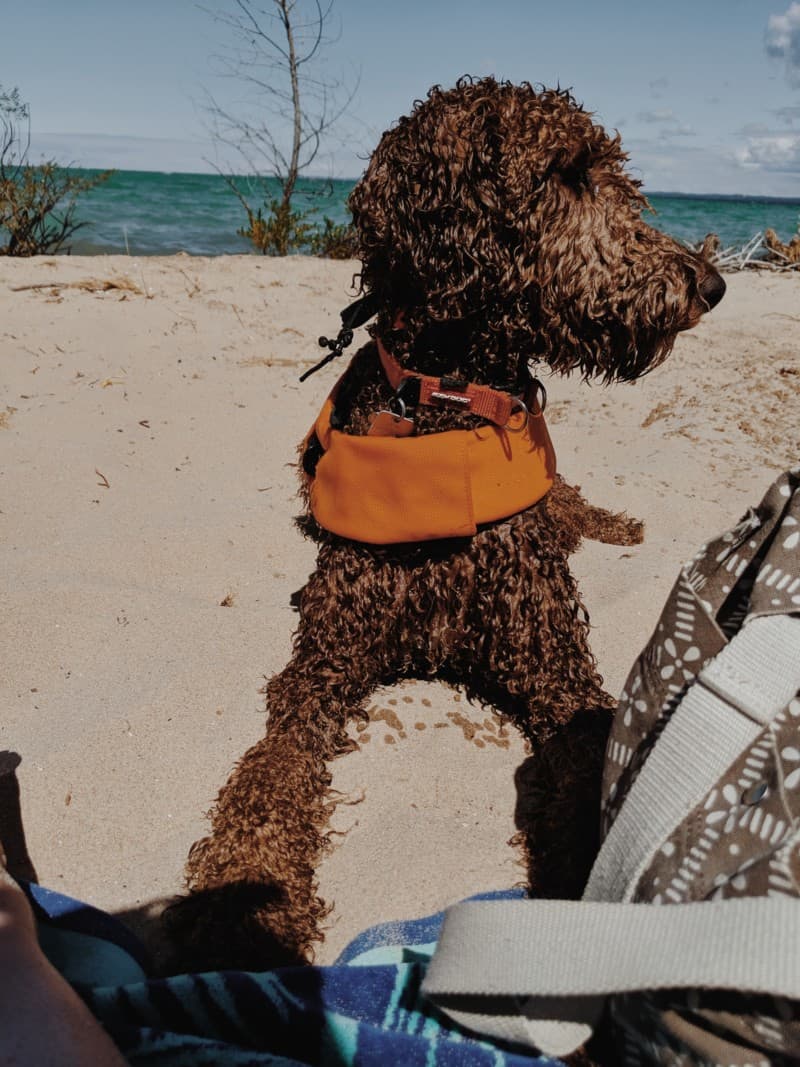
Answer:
x=89 y=285
x=790 y=253
x=764 y=251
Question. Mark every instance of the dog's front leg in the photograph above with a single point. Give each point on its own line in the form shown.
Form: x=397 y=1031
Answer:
x=253 y=893
x=538 y=670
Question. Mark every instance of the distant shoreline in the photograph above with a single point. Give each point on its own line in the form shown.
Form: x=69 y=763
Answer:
x=313 y=178
x=753 y=199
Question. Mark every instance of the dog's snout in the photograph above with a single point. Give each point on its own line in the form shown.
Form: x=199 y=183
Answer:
x=712 y=288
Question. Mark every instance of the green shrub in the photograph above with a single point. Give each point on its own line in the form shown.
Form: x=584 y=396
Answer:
x=279 y=232
x=335 y=241
x=37 y=201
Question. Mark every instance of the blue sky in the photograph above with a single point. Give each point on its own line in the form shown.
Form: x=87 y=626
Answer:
x=706 y=94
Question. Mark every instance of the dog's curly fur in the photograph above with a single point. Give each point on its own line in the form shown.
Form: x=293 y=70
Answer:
x=501 y=221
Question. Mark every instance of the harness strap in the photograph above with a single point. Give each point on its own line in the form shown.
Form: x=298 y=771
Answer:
x=490 y=404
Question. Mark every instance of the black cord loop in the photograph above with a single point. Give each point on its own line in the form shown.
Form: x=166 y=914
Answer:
x=353 y=316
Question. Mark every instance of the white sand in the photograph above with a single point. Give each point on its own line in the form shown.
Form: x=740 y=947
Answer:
x=129 y=691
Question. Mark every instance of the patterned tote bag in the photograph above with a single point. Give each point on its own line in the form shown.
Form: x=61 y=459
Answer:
x=687 y=940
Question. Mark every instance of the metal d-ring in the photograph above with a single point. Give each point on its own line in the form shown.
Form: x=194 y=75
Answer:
x=517 y=404
x=401 y=414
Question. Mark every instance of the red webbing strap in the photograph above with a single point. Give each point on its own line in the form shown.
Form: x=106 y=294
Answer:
x=479 y=400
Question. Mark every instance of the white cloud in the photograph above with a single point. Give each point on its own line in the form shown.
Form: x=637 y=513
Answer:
x=694 y=167
x=774 y=152
x=783 y=40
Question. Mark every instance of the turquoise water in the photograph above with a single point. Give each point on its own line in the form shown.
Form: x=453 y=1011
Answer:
x=734 y=219
x=153 y=214
x=158 y=214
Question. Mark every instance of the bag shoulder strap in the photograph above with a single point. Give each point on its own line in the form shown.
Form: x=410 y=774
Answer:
x=537 y=972
x=732 y=699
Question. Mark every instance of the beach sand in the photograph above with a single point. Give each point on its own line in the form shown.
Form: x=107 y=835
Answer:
x=149 y=559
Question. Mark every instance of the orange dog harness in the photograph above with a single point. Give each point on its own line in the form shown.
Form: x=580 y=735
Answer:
x=479 y=400
x=389 y=490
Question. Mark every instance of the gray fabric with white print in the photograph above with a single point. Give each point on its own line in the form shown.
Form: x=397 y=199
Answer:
x=743 y=839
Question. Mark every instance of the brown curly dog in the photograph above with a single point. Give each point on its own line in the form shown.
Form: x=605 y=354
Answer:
x=497 y=229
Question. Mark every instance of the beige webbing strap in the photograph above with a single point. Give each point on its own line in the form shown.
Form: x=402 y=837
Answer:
x=510 y=969
x=536 y=972
x=733 y=698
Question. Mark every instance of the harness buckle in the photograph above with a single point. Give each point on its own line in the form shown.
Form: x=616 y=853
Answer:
x=450 y=384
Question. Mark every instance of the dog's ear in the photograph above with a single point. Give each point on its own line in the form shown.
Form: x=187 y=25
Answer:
x=571 y=169
x=551 y=138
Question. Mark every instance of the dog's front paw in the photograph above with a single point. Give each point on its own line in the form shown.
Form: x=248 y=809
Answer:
x=239 y=926
x=613 y=528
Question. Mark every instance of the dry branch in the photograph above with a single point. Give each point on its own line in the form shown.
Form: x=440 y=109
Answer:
x=763 y=251
x=788 y=253
x=89 y=285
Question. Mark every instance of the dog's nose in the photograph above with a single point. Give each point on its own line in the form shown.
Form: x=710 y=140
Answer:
x=712 y=288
